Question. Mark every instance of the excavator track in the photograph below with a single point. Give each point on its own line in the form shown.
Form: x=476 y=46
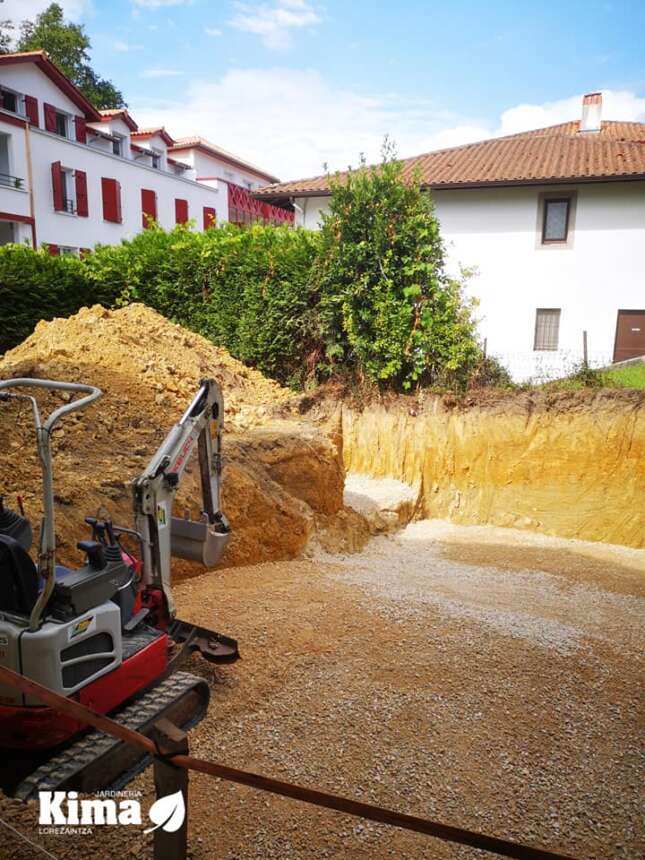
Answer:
x=98 y=762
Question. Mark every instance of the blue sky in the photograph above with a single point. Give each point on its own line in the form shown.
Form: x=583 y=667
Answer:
x=291 y=84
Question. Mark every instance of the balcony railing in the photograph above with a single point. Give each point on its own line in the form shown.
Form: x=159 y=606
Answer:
x=68 y=206
x=11 y=181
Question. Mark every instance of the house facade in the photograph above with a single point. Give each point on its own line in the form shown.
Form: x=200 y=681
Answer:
x=72 y=176
x=553 y=221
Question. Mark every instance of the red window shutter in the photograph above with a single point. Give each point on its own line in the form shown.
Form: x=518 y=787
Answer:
x=210 y=217
x=57 y=185
x=50 y=117
x=111 y=192
x=81 y=130
x=181 y=211
x=54 y=250
x=148 y=206
x=82 y=208
x=31 y=109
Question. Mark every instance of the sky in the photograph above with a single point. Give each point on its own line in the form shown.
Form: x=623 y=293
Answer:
x=300 y=86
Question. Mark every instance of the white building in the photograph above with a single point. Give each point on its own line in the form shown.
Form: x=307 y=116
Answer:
x=72 y=177
x=554 y=222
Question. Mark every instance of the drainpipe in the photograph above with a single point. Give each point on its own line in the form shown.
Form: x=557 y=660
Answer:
x=30 y=183
x=301 y=209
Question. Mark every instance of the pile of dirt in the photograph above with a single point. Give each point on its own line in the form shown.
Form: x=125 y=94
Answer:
x=283 y=480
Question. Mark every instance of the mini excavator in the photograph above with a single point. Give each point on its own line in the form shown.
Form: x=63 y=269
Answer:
x=103 y=633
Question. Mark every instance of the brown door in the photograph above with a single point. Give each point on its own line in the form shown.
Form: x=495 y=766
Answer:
x=630 y=335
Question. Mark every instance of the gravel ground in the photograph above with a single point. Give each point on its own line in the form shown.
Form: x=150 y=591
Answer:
x=481 y=677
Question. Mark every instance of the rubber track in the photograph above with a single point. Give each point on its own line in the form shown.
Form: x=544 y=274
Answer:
x=94 y=744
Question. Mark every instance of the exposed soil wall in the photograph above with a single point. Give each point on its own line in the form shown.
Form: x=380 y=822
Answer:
x=569 y=464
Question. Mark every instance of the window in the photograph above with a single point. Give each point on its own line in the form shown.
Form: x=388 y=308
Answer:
x=9 y=100
x=156 y=160
x=181 y=211
x=65 y=250
x=547 y=328
x=61 y=124
x=148 y=206
x=555 y=226
x=117 y=146
x=111 y=191
x=67 y=186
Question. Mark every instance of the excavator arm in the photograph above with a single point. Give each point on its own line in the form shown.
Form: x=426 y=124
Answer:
x=164 y=535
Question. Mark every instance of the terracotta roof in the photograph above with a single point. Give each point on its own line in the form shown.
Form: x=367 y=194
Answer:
x=560 y=153
x=110 y=113
x=209 y=148
x=40 y=59
x=145 y=133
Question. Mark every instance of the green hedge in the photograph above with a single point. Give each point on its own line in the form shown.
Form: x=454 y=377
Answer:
x=35 y=286
x=366 y=297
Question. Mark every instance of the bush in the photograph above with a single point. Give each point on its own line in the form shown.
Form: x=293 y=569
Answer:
x=35 y=286
x=387 y=305
x=247 y=290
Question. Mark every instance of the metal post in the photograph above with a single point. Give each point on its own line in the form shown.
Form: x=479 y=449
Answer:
x=585 y=358
x=169 y=780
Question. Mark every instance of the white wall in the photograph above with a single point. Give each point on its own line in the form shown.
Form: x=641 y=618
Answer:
x=210 y=165
x=28 y=79
x=60 y=228
x=496 y=231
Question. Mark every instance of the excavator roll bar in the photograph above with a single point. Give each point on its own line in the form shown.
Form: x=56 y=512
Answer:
x=47 y=551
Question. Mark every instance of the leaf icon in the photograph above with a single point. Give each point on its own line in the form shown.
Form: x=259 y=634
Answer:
x=168 y=813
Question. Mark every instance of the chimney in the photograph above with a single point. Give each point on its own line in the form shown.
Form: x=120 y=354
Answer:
x=591 y=112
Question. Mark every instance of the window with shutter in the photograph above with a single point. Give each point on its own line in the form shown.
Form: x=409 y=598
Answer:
x=80 y=129
x=50 y=118
x=31 y=109
x=547 y=329
x=210 y=217
x=111 y=192
x=54 y=250
x=181 y=211
x=80 y=180
x=57 y=186
x=148 y=207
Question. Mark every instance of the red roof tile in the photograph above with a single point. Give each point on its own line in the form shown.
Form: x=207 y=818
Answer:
x=560 y=153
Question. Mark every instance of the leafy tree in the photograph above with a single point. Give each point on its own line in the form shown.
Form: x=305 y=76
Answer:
x=388 y=307
x=68 y=46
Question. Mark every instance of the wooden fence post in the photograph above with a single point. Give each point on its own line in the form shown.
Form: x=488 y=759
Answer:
x=170 y=779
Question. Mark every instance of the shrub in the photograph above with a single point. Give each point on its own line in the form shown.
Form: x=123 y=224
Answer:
x=387 y=305
x=36 y=286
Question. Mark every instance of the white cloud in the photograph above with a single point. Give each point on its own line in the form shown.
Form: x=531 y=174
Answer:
x=293 y=121
x=125 y=47
x=616 y=104
x=213 y=31
x=161 y=73
x=158 y=4
x=18 y=10
x=274 y=21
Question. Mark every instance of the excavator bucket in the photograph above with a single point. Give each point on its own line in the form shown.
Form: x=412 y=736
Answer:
x=197 y=541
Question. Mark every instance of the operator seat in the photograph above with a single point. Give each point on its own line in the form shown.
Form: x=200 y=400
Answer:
x=18 y=577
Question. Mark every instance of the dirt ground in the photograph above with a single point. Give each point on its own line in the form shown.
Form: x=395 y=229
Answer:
x=485 y=678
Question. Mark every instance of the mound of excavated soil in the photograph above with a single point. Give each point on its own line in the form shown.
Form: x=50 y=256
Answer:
x=282 y=479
